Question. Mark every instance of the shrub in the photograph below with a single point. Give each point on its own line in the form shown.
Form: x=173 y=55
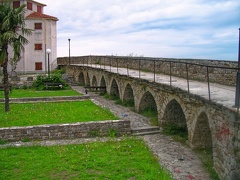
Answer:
x=38 y=84
x=173 y=129
x=59 y=71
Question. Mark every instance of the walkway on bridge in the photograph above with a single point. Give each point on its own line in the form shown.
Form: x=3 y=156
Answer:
x=220 y=94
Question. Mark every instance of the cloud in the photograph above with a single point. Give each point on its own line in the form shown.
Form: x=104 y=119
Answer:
x=157 y=28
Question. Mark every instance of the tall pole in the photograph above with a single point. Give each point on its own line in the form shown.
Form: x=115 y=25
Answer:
x=239 y=51
x=238 y=76
x=69 y=58
x=48 y=66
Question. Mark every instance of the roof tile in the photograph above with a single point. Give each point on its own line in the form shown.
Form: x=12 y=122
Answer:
x=37 y=15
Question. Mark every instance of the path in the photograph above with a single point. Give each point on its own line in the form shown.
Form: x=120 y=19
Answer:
x=164 y=147
x=221 y=94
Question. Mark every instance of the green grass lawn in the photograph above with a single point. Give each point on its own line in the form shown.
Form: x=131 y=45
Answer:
x=21 y=93
x=29 y=114
x=127 y=159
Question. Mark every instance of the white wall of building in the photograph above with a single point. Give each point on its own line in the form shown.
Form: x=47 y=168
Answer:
x=47 y=36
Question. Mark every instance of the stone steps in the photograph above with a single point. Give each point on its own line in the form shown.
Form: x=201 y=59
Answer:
x=141 y=131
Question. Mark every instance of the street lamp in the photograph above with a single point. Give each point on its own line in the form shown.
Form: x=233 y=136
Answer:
x=48 y=51
x=69 y=51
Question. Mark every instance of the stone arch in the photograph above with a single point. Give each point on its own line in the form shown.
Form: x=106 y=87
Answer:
x=202 y=137
x=114 y=91
x=81 y=79
x=174 y=118
x=87 y=80
x=103 y=84
x=148 y=107
x=103 y=81
x=128 y=96
x=94 y=81
x=147 y=102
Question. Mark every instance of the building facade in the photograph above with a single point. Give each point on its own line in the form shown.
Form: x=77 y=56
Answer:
x=34 y=59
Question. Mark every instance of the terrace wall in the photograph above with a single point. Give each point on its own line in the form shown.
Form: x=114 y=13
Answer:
x=66 y=131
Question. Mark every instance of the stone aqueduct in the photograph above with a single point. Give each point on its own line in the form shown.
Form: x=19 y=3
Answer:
x=209 y=125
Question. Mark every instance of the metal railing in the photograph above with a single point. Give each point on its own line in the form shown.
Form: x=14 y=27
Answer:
x=113 y=62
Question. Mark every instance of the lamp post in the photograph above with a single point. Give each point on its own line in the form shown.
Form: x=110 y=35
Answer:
x=69 y=52
x=48 y=51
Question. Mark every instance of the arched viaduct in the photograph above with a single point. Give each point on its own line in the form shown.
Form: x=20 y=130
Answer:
x=208 y=125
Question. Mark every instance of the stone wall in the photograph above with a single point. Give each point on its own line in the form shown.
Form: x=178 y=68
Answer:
x=209 y=125
x=221 y=72
x=66 y=131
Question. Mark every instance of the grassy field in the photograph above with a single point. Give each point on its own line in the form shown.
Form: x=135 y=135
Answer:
x=29 y=114
x=21 y=93
x=126 y=159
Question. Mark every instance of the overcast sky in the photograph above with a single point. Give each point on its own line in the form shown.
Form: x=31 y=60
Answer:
x=205 y=29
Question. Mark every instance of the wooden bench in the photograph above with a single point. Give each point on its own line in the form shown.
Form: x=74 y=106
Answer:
x=51 y=85
x=95 y=89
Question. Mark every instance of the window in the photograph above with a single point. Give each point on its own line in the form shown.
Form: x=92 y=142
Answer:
x=29 y=6
x=16 y=4
x=39 y=9
x=38 y=46
x=38 y=26
x=38 y=66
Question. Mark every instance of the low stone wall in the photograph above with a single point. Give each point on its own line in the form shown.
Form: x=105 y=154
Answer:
x=220 y=71
x=66 y=131
x=46 y=99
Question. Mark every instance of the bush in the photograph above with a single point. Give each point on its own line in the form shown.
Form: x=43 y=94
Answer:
x=38 y=84
x=59 y=71
x=173 y=129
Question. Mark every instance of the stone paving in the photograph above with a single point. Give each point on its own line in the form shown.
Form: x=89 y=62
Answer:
x=164 y=147
x=220 y=94
x=181 y=161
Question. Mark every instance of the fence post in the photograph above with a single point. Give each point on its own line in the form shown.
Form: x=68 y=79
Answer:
x=110 y=64
x=209 y=93
x=139 y=66
x=170 y=73
x=91 y=60
x=117 y=65
x=154 y=67
x=104 y=63
x=187 y=77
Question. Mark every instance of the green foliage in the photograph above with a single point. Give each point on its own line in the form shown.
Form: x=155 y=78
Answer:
x=29 y=114
x=12 y=33
x=2 y=142
x=152 y=114
x=129 y=103
x=120 y=159
x=12 y=22
x=25 y=140
x=25 y=87
x=173 y=129
x=112 y=132
x=118 y=101
x=53 y=78
x=113 y=97
x=207 y=159
x=94 y=133
x=59 y=71
x=106 y=96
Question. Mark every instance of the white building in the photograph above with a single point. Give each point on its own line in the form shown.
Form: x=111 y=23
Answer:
x=44 y=36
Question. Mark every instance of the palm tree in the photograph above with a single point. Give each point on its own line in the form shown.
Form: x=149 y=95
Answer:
x=12 y=32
